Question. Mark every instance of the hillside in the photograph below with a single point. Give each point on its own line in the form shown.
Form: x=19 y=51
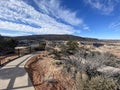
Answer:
x=54 y=37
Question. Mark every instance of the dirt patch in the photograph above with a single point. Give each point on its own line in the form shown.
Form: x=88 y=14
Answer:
x=46 y=76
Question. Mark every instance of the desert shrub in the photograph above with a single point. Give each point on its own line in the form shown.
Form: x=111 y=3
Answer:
x=79 y=83
x=42 y=45
x=116 y=76
x=88 y=54
x=92 y=55
x=72 y=46
x=88 y=62
x=112 y=60
x=50 y=46
x=74 y=61
x=63 y=47
x=53 y=49
x=65 y=50
x=100 y=83
x=50 y=51
x=10 y=51
x=36 y=49
x=98 y=44
x=12 y=43
x=110 y=63
x=91 y=72
x=56 y=62
x=7 y=45
x=57 y=54
x=93 y=63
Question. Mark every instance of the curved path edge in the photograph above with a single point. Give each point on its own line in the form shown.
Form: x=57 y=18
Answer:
x=13 y=76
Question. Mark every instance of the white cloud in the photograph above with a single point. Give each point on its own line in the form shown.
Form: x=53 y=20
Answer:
x=14 y=34
x=16 y=15
x=53 y=7
x=105 y=6
x=115 y=25
x=47 y=29
x=85 y=27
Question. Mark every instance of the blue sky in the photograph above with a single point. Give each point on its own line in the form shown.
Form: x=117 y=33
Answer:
x=87 y=18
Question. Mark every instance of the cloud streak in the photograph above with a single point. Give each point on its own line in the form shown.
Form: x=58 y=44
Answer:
x=115 y=25
x=104 y=6
x=17 y=15
x=53 y=7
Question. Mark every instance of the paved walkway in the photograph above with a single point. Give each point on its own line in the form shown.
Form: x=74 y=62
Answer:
x=13 y=76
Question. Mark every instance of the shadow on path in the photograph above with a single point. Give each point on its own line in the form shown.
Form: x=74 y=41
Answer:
x=12 y=73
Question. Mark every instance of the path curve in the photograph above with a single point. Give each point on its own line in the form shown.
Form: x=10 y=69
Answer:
x=13 y=76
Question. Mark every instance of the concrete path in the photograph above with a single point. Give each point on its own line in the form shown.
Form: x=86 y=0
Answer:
x=13 y=76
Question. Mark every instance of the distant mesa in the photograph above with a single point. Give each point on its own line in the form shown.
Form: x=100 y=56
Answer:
x=54 y=37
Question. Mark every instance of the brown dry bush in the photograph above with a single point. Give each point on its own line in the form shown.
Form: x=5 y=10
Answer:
x=101 y=83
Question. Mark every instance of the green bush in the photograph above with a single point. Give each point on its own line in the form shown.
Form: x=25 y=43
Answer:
x=101 y=83
x=56 y=62
x=42 y=45
x=36 y=49
x=70 y=48
x=72 y=45
x=7 y=45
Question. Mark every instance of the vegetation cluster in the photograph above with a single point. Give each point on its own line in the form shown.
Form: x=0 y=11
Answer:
x=82 y=64
x=7 y=45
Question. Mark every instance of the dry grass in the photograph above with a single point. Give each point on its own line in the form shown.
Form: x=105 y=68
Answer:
x=46 y=76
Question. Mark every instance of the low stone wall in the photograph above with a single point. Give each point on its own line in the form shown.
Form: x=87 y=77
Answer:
x=6 y=59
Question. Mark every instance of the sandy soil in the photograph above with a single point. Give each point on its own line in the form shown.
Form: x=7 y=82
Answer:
x=46 y=76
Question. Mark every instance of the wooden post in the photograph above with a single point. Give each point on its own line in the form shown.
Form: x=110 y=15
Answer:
x=18 y=52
